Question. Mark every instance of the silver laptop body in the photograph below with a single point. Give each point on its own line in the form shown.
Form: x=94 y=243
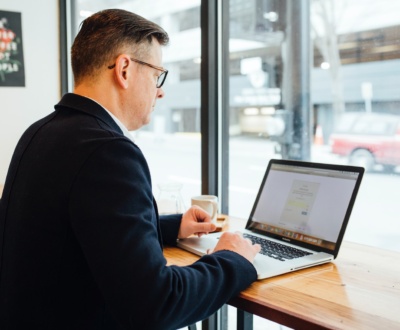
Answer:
x=299 y=216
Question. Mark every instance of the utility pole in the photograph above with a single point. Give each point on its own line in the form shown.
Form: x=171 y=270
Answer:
x=296 y=85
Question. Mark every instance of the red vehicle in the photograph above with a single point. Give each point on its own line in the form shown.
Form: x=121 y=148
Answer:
x=368 y=139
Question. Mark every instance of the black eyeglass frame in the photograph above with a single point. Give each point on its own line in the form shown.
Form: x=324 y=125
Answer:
x=160 y=79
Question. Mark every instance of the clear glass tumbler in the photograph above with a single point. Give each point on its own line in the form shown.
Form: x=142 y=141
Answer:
x=170 y=200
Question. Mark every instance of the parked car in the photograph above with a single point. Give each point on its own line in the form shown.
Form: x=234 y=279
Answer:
x=368 y=139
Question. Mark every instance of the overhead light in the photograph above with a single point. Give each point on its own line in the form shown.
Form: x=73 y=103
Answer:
x=325 y=65
x=85 y=13
x=267 y=110
x=250 y=65
x=272 y=16
x=251 y=111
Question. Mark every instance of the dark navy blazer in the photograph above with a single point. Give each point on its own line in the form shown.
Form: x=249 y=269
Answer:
x=81 y=240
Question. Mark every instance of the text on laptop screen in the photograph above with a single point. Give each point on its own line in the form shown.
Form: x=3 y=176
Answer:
x=304 y=204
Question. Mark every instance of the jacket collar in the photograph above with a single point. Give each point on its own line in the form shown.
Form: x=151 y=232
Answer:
x=89 y=107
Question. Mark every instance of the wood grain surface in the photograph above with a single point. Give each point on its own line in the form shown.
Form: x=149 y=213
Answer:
x=359 y=290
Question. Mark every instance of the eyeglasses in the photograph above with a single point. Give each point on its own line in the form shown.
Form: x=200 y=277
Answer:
x=160 y=79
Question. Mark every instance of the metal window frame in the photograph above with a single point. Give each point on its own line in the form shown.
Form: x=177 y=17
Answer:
x=214 y=82
x=63 y=17
x=67 y=29
x=215 y=100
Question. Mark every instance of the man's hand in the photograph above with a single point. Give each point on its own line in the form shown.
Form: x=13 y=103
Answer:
x=237 y=243
x=195 y=221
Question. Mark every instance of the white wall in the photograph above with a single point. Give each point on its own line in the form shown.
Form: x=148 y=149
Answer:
x=21 y=106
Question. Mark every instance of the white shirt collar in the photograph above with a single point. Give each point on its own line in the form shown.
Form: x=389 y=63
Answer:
x=121 y=126
x=117 y=121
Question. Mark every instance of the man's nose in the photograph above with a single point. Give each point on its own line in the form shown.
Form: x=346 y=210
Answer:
x=160 y=93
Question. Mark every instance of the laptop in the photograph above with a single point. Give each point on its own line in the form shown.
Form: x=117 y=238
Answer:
x=299 y=216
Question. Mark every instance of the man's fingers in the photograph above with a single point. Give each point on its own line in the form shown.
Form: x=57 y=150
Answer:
x=256 y=247
x=249 y=241
x=200 y=214
x=205 y=227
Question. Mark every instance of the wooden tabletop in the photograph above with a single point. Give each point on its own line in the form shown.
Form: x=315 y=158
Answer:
x=359 y=290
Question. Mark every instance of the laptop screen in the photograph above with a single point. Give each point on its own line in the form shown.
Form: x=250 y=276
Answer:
x=308 y=204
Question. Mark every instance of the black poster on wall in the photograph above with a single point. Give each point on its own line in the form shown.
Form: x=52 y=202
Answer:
x=12 y=71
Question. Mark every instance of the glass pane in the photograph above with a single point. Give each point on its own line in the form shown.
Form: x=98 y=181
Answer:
x=171 y=142
x=255 y=94
x=354 y=66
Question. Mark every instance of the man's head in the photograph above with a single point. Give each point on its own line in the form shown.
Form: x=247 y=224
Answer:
x=108 y=33
x=117 y=61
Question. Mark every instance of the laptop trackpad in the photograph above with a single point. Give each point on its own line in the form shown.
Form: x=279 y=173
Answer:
x=201 y=245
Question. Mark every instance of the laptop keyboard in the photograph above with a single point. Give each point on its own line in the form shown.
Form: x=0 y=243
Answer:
x=276 y=250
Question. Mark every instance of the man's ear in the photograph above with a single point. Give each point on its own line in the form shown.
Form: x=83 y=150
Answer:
x=121 y=72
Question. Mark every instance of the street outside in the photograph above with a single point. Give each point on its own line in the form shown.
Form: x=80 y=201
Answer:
x=176 y=158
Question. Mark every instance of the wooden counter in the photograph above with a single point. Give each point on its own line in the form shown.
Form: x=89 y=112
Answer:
x=359 y=290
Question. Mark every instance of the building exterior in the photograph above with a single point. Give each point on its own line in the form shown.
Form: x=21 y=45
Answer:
x=355 y=60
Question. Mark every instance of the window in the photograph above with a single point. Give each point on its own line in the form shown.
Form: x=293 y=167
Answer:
x=354 y=65
x=189 y=18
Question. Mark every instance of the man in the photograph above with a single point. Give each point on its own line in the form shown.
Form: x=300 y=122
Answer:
x=80 y=236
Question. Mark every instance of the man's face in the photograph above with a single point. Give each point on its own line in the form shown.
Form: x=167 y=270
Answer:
x=143 y=92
